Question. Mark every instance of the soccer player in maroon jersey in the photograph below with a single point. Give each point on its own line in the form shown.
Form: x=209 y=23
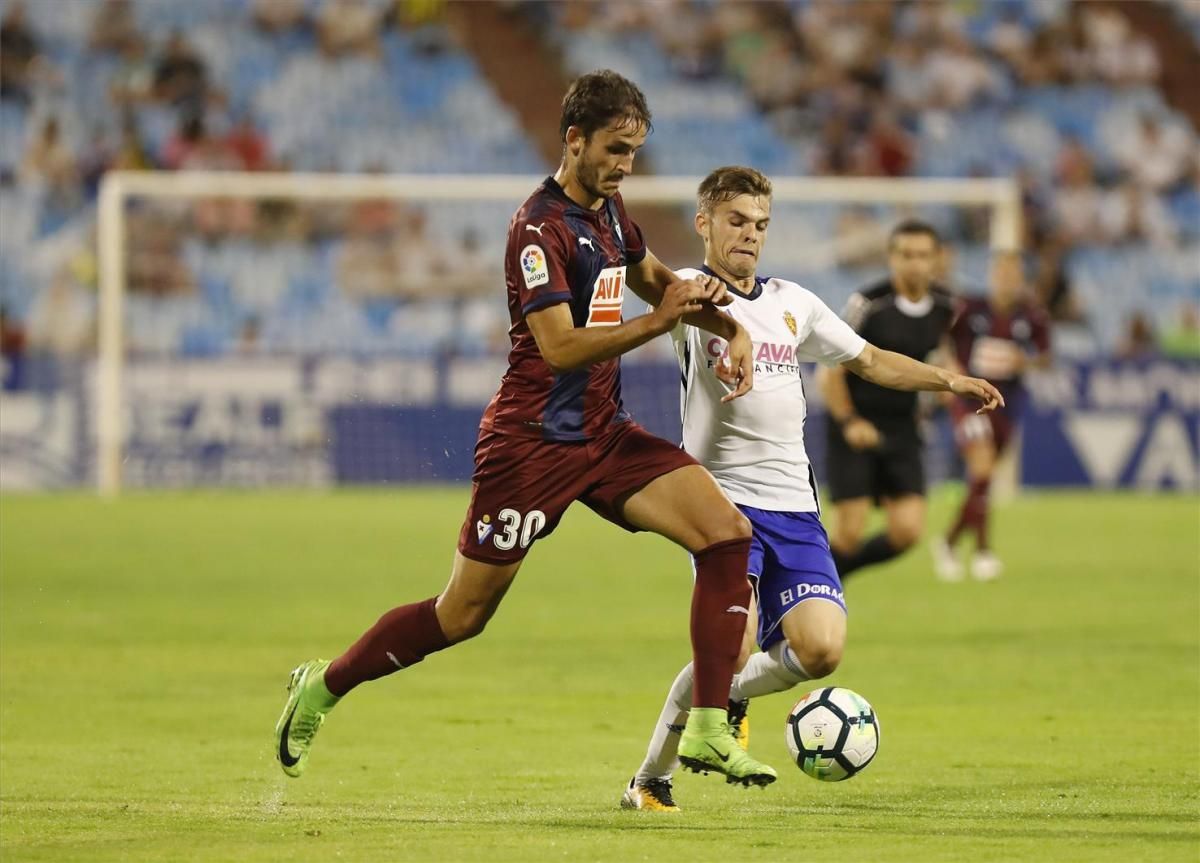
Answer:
x=998 y=337
x=557 y=432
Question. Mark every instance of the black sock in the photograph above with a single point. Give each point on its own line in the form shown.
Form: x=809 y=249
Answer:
x=877 y=549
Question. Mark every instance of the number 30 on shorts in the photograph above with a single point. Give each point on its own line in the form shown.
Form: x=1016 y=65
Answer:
x=513 y=525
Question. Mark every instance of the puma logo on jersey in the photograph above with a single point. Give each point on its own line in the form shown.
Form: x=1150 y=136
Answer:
x=607 y=295
x=584 y=241
x=537 y=229
x=739 y=609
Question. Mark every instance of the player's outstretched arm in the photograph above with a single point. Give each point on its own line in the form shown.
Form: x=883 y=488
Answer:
x=566 y=347
x=898 y=372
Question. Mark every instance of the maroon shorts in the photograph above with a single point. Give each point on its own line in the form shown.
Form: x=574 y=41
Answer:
x=522 y=486
x=969 y=427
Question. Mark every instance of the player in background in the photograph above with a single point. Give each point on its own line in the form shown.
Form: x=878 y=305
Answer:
x=1000 y=335
x=754 y=447
x=557 y=432
x=873 y=440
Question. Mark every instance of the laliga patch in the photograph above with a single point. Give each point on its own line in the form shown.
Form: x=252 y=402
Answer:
x=483 y=528
x=607 y=295
x=533 y=266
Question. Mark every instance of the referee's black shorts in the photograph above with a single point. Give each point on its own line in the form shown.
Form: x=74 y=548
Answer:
x=893 y=469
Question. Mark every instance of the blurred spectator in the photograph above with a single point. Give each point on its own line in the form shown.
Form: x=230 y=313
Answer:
x=50 y=162
x=1052 y=284
x=114 y=26
x=180 y=76
x=691 y=39
x=841 y=35
x=367 y=264
x=1157 y=155
x=1139 y=341
x=890 y=150
x=133 y=81
x=62 y=320
x=179 y=146
x=131 y=154
x=1115 y=52
x=1182 y=340
x=192 y=148
x=276 y=17
x=12 y=338
x=346 y=27
x=1131 y=214
x=249 y=339
x=778 y=81
x=959 y=75
x=249 y=144
x=425 y=21
x=909 y=82
x=835 y=154
x=743 y=41
x=128 y=154
x=155 y=265
x=1010 y=38
x=1035 y=225
x=473 y=272
x=1076 y=203
x=408 y=265
x=368 y=267
x=18 y=51
x=860 y=238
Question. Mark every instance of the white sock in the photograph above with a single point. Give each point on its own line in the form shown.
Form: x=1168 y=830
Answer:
x=662 y=756
x=775 y=670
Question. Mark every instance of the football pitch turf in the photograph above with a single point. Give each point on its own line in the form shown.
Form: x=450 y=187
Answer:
x=144 y=647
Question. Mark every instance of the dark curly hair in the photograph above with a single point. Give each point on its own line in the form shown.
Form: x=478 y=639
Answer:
x=597 y=99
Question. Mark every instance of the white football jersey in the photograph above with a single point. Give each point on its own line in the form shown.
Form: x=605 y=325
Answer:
x=754 y=445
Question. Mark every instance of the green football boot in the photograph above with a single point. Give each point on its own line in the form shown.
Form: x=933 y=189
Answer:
x=708 y=745
x=308 y=702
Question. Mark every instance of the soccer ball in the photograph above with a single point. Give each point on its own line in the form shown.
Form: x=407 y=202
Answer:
x=832 y=733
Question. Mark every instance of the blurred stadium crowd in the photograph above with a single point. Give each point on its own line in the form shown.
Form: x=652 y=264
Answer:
x=1067 y=97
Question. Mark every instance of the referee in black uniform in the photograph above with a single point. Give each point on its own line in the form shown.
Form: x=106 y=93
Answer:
x=874 y=446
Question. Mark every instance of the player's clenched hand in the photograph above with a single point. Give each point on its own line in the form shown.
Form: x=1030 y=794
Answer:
x=979 y=389
x=861 y=434
x=679 y=299
x=736 y=366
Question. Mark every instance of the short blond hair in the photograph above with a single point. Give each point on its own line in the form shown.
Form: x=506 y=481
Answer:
x=727 y=183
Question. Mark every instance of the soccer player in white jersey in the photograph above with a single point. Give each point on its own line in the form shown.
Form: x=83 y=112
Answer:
x=754 y=447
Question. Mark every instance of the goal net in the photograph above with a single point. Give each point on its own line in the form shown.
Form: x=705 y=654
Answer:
x=304 y=329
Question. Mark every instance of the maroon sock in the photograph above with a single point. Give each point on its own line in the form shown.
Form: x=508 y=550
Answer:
x=963 y=521
x=979 y=491
x=402 y=637
x=719 y=602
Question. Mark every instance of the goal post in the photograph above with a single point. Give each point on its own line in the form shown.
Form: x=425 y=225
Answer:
x=1000 y=197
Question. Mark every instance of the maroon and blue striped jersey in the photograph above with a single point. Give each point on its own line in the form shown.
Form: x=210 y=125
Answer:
x=561 y=252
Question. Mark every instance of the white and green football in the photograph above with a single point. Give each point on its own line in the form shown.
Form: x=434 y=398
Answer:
x=832 y=733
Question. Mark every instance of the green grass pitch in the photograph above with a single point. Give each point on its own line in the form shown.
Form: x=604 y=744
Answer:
x=144 y=646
